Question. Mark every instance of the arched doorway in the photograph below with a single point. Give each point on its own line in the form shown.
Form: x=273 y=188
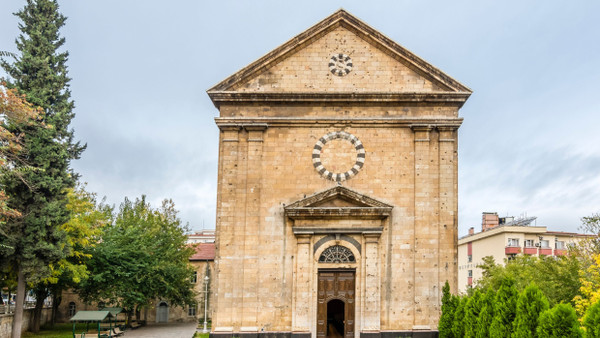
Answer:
x=162 y=312
x=336 y=318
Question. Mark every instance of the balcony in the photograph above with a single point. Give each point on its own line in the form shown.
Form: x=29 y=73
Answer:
x=560 y=252
x=546 y=251
x=530 y=250
x=511 y=250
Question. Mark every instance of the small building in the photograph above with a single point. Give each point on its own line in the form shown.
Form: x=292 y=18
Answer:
x=504 y=238
x=204 y=236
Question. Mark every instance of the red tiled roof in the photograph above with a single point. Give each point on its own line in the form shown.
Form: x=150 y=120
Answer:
x=204 y=251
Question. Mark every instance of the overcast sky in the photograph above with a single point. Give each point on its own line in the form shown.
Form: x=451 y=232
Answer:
x=530 y=139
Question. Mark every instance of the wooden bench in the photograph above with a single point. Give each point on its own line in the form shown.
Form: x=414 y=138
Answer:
x=117 y=331
x=135 y=325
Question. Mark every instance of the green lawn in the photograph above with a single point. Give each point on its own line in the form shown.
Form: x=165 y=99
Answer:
x=63 y=330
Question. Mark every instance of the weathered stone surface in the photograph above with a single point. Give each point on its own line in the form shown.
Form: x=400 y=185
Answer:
x=278 y=210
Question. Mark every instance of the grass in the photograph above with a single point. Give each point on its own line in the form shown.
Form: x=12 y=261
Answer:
x=200 y=335
x=63 y=330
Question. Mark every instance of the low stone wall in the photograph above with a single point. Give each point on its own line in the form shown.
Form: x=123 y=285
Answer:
x=6 y=321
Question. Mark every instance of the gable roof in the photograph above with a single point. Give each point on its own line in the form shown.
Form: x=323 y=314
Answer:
x=226 y=91
x=204 y=251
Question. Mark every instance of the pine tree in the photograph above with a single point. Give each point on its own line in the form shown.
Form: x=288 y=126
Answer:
x=458 y=325
x=472 y=311
x=558 y=322
x=40 y=73
x=486 y=315
x=504 y=310
x=591 y=321
x=530 y=304
x=449 y=304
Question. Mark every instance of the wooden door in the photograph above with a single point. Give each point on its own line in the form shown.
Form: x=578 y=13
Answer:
x=335 y=285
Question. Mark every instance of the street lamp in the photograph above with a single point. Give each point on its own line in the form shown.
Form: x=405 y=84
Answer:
x=206 y=279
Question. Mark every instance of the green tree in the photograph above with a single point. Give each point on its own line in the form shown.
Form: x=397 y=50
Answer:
x=530 y=304
x=40 y=73
x=472 y=311
x=449 y=305
x=559 y=322
x=557 y=277
x=142 y=256
x=484 y=320
x=458 y=325
x=504 y=310
x=591 y=321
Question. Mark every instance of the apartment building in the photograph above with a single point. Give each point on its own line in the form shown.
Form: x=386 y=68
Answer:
x=504 y=238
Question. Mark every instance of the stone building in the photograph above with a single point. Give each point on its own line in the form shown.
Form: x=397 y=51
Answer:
x=337 y=188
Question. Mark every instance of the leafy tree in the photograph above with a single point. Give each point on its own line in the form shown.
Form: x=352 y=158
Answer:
x=141 y=257
x=504 y=310
x=472 y=311
x=530 y=304
x=486 y=315
x=449 y=305
x=590 y=286
x=591 y=321
x=558 y=322
x=458 y=324
x=82 y=232
x=557 y=277
x=40 y=73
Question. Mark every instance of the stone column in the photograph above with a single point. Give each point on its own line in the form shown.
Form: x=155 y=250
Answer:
x=372 y=308
x=252 y=227
x=448 y=207
x=226 y=250
x=303 y=286
x=425 y=230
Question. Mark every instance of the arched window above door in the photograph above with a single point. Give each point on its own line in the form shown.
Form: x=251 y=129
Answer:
x=337 y=254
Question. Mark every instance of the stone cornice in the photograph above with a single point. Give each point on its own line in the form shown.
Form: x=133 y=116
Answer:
x=400 y=121
x=235 y=97
x=338 y=213
x=374 y=231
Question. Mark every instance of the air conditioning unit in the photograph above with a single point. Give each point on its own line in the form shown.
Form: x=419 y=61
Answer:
x=538 y=244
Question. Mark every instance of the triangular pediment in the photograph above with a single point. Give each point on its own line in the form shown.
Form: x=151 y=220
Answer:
x=372 y=64
x=338 y=202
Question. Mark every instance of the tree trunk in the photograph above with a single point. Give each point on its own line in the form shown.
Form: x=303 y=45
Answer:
x=56 y=300
x=18 y=316
x=40 y=295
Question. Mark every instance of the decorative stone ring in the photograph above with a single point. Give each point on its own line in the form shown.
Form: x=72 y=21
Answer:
x=338 y=177
x=340 y=64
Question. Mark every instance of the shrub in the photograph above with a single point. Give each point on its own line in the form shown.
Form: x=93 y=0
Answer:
x=504 y=309
x=560 y=321
x=591 y=321
x=530 y=304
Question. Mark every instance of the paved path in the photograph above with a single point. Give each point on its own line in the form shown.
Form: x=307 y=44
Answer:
x=178 y=330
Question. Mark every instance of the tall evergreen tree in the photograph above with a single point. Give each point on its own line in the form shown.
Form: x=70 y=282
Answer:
x=458 y=325
x=530 y=304
x=504 y=310
x=559 y=322
x=40 y=73
x=472 y=311
x=449 y=304
x=486 y=315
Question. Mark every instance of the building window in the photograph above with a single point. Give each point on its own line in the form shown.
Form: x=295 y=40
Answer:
x=192 y=310
x=72 y=309
x=470 y=258
x=559 y=245
x=337 y=254
x=470 y=273
x=513 y=242
x=544 y=243
x=529 y=243
x=194 y=277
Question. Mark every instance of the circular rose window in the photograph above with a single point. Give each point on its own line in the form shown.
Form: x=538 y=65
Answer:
x=332 y=174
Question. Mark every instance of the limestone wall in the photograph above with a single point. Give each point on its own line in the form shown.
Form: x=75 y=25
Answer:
x=6 y=321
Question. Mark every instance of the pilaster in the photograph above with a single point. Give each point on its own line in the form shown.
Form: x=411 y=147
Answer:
x=372 y=307
x=303 y=285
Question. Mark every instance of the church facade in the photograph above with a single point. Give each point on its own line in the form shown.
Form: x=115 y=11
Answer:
x=337 y=188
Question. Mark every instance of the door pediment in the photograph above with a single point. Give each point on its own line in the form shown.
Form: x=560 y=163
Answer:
x=338 y=203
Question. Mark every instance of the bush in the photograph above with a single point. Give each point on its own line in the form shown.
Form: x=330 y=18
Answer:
x=591 y=321
x=458 y=324
x=560 y=321
x=449 y=304
x=472 y=310
x=486 y=315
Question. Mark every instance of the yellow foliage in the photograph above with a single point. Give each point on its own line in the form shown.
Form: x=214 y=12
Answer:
x=590 y=287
